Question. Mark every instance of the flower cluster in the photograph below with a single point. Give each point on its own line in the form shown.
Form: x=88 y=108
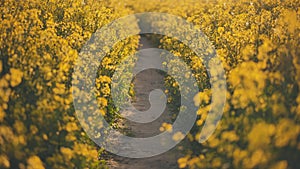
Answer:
x=39 y=44
x=258 y=44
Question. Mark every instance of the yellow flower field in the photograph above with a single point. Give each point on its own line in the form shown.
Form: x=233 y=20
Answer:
x=258 y=43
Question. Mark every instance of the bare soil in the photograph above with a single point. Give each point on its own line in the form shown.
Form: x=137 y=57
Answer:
x=144 y=83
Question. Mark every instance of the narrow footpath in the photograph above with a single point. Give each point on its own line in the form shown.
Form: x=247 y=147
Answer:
x=144 y=83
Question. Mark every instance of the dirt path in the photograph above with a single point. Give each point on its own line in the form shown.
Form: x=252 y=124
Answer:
x=145 y=82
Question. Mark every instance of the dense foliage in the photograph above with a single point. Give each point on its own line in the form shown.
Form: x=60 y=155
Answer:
x=258 y=43
x=40 y=40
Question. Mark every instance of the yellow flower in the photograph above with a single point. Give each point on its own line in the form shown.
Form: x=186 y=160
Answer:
x=34 y=162
x=220 y=30
x=2 y=114
x=166 y=127
x=178 y=136
x=68 y=153
x=1 y=66
x=4 y=161
x=16 y=77
x=71 y=126
x=230 y=136
x=182 y=162
x=280 y=165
